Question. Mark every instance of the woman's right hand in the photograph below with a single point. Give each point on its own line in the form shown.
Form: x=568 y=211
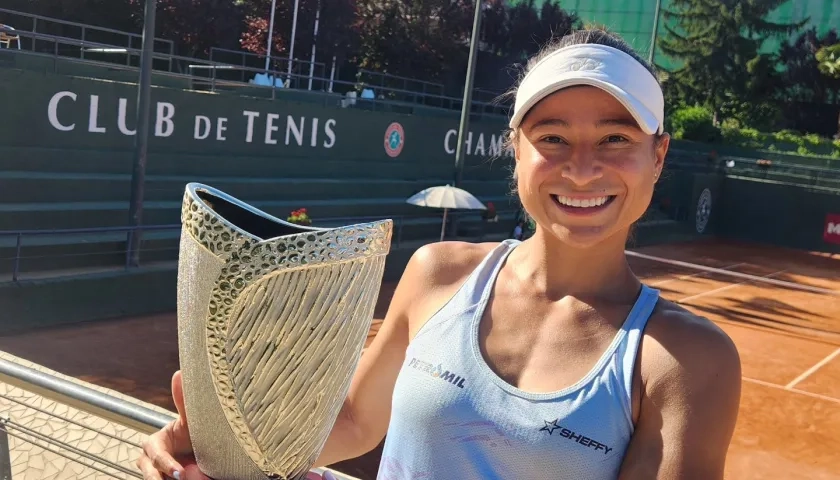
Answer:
x=168 y=452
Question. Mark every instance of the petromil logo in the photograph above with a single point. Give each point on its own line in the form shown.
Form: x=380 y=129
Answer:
x=437 y=371
x=394 y=139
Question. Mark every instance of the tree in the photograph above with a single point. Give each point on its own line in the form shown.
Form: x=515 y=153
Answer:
x=828 y=58
x=255 y=38
x=514 y=32
x=808 y=97
x=197 y=26
x=114 y=14
x=517 y=31
x=421 y=39
x=801 y=74
x=337 y=35
x=719 y=43
x=193 y=26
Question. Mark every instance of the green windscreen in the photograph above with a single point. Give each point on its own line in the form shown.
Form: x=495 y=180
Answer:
x=634 y=19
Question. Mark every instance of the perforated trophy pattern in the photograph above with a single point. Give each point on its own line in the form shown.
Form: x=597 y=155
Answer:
x=272 y=319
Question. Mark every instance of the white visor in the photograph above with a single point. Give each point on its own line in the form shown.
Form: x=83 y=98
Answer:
x=600 y=66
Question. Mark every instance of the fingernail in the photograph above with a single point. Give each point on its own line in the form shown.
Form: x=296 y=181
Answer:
x=176 y=475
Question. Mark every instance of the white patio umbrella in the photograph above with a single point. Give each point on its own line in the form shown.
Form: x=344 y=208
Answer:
x=446 y=197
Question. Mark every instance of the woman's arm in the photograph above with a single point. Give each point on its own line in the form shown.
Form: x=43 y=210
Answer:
x=364 y=417
x=431 y=277
x=689 y=401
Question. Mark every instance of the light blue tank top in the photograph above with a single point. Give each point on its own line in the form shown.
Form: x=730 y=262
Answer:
x=453 y=418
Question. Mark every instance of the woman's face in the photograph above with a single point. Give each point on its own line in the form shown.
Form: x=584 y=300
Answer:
x=585 y=170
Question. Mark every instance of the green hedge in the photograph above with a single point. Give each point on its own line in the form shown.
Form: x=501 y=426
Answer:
x=695 y=123
x=782 y=141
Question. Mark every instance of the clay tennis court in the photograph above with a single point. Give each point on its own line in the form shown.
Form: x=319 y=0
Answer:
x=787 y=329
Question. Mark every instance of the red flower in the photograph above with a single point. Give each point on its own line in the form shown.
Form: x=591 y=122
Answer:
x=300 y=217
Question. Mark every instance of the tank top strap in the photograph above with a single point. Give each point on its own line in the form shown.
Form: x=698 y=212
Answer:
x=486 y=279
x=634 y=330
x=480 y=282
x=475 y=289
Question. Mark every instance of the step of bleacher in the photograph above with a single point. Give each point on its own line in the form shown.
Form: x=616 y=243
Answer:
x=99 y=161
x=49 y=252
x=37 y=187
x=64 y=215
x=112 y=292
x=56 y=252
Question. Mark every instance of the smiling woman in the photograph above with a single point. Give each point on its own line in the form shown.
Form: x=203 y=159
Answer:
x=544 y=358
x=588 y=96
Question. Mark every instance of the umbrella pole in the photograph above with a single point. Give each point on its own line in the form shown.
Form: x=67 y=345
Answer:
x=443 y=225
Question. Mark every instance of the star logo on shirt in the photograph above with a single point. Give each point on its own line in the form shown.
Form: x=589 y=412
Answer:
x=550 y=426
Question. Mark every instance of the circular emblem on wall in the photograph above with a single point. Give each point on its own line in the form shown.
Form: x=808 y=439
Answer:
x=704 y=210
x=394 y=139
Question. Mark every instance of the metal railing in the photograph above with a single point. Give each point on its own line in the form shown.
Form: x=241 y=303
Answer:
x=207 y=75
x=19 y=235
x=122 y=236
x=39 y=23
x=83 y=398
x=793 y=173
x=132 y=415
x=805 y=175
x=78 y=396
x=388 y=86
x=386 y=81
x=277 y=63
x=14 y=429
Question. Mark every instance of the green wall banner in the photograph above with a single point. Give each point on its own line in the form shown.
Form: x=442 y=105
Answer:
x=68 y=112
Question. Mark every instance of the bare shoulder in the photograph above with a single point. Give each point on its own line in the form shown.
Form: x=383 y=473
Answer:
x=435 y=272
x=445 y=263
x=689 y=398
x=682 y=349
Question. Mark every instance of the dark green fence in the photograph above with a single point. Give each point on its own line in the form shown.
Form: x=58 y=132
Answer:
x=779 y=214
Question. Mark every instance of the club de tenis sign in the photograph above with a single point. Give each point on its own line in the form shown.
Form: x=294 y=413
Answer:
x=262 y=127
x=68 y=111
x=62 y=112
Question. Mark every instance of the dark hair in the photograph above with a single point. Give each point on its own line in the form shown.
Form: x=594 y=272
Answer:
x=590 y=34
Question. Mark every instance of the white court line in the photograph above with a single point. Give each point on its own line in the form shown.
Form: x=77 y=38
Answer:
x=792 y=390
x=727 y=287
x=731 y=273
x=686 y=277
x=813 y=369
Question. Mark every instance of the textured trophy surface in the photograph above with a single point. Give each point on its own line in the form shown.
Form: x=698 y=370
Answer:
x=272 y=319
